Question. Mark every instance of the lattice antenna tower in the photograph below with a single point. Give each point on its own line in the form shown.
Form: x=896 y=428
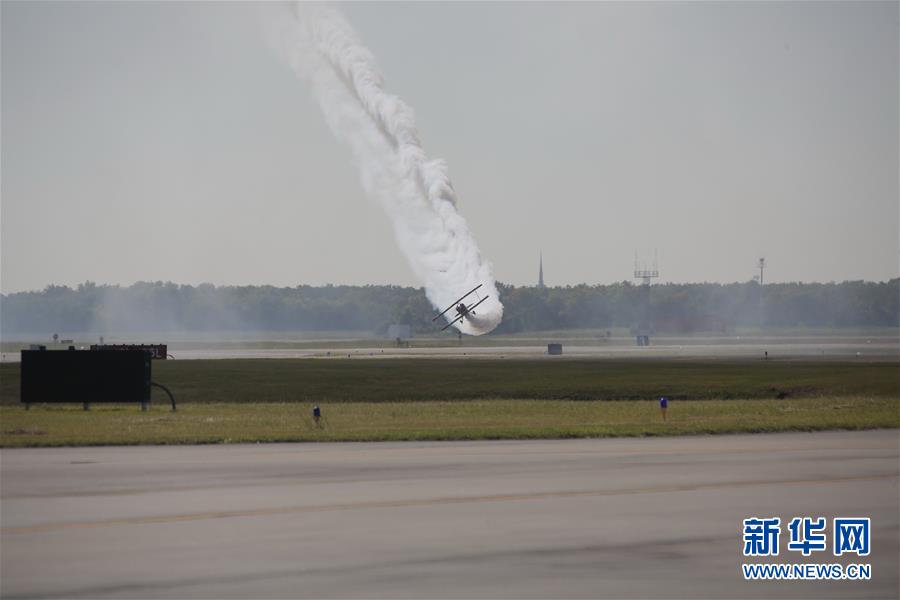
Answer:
x=646 y=274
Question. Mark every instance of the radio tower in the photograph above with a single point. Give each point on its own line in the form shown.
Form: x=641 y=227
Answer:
x=642 y=330
x=645 y=273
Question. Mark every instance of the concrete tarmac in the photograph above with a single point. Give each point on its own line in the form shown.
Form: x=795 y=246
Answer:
x=619 y=518
x=852 y=348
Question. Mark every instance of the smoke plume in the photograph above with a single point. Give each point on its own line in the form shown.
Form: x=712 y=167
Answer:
x=414 y=190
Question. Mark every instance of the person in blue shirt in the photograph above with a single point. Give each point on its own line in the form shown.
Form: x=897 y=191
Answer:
x=663 y=406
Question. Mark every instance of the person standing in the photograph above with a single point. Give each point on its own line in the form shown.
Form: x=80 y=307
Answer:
x=663 y=406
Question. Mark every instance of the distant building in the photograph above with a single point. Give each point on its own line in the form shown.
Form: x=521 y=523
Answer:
x=541 y=271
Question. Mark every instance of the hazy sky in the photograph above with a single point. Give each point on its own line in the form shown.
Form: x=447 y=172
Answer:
x=169 y=141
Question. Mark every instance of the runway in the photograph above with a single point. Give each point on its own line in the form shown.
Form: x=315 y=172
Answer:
x=621 y=518
x=851 y=347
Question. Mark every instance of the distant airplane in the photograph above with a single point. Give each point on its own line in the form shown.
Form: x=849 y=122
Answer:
x=462 y=310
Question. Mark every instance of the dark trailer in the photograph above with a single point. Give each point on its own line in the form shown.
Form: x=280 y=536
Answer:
x=54 y=376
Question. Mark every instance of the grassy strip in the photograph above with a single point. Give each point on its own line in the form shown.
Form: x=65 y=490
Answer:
x=388 y=380
x=65 y=425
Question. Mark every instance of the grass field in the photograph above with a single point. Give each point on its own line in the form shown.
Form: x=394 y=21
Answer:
x=396 y=380
x=371 y=399
x=485 y=419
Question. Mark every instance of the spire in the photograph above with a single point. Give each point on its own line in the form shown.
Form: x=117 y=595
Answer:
x=541 y=271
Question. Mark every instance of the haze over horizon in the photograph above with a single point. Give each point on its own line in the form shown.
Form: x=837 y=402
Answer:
x=630 y=280
x=156 y=141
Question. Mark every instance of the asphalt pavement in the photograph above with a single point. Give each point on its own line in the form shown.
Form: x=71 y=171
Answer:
x=619 y=518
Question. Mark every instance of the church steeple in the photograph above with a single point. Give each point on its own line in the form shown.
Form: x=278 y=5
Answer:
x=541 y=271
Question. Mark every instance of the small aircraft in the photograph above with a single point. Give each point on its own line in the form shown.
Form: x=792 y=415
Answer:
x=462 y=310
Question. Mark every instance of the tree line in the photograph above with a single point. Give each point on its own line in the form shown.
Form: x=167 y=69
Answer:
x=166 y=306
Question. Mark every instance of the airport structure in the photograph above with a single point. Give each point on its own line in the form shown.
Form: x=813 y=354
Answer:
x=644 y=326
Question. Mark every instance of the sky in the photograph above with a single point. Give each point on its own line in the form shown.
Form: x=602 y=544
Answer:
x=172 y=141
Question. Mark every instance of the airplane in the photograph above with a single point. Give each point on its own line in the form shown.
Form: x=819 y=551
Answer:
x=462 y=310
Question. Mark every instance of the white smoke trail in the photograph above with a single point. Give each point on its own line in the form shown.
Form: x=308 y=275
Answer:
x=380 y=129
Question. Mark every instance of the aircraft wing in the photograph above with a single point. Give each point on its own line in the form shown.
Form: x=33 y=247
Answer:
x=459 y=318
x=479 y=302
x=441 y=314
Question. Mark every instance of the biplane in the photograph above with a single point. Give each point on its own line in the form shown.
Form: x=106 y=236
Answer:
x=463 y=310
